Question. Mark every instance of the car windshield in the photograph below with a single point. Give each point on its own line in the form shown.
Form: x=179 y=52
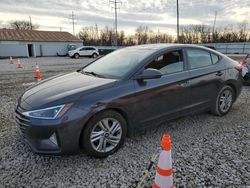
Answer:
x=118 y=63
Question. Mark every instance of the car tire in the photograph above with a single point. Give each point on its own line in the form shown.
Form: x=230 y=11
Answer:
x=94 y=55
x=104 y=134
x=76 y=56
x=224 y=101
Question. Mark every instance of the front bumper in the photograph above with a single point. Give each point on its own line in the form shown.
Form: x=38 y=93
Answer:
x=71 y=54
x=60 y=136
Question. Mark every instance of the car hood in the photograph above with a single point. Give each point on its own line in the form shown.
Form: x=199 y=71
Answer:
x=63 y=89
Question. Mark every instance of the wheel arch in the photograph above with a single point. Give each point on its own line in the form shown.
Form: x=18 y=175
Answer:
x=118 y=110
x=233 y=86
x=76 y=53
x=94 y=54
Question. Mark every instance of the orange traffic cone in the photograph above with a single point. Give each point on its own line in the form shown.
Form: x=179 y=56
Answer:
x=19 y=65
x=11 y=60
x=38 y=73
x=164 y=172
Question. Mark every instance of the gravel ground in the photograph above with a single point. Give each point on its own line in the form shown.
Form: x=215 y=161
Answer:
x=208 y=151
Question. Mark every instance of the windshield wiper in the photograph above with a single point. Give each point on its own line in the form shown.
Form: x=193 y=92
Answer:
x=93 y=73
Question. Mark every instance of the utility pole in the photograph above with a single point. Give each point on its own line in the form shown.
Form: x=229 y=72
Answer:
x=215 y=16
x=31 y=28
x=73 y=21
x=115 y=2
x=158 y=36
x=177 y=12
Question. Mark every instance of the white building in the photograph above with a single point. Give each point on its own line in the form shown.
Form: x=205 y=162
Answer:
x=33 y=43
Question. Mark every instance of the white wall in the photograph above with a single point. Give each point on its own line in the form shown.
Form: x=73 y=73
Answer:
x=52 y=48
x=11 y=48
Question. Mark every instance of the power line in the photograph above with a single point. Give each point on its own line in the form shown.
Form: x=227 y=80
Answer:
x=73 y=21
x=115 y=2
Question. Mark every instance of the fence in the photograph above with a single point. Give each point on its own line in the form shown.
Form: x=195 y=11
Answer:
x=231 y=48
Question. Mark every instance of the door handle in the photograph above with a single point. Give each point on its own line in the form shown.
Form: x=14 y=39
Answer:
x=219 y=73
x=184 y=84
x=187 y=83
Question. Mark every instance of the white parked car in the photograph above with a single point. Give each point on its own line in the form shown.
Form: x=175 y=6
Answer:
x=89 y=51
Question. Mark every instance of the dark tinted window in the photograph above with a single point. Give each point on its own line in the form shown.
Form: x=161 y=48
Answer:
x=90 y=49
x=215 y=58
x=168 y=63
x=198 y=58
x=82 y=49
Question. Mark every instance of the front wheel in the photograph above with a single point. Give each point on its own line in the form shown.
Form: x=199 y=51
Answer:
x=104 y=134
x=76 y=56
x=224 y=101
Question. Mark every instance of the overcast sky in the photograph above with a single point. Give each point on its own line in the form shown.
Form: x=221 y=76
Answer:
x=157 y=14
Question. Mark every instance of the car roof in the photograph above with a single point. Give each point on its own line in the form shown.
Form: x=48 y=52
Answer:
x=87 y=47
x=166 y=46
x=159 y=46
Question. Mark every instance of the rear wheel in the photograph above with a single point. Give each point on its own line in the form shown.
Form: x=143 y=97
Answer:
x=94 y=55
x=224 y=101
x=104 y=134
x=76 y=56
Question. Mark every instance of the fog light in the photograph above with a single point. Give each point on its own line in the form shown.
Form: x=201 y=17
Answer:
x=53 y=139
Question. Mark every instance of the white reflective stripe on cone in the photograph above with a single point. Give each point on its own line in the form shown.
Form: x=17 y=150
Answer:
x=165 y=160
x=164 y=181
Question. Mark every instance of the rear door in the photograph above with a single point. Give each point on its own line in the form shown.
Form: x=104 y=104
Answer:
x=92 y=50
x=83 y=51
x=206 y=76
x=167 y=96
x=89 y=51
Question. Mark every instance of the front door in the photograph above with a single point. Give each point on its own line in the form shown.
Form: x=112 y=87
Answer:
x=165 y=97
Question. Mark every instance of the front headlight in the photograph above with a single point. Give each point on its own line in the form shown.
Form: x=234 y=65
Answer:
x=49 y=113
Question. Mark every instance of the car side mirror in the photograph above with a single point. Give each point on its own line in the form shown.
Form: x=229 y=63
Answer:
x=149 y=74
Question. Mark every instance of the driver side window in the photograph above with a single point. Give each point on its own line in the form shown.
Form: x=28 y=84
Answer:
x=168 y=63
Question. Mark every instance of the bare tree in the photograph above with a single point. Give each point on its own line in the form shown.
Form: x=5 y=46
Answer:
x=141 y=34
x=243 y=31
x=196 y=34
x=22 y=25
x=89 y=35
x=192 y=34
x=92 y=35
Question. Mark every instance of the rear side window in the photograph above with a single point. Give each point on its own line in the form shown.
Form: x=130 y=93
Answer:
x=168 y=63
x=90 y=49
x=198 y=58
x=215 y=58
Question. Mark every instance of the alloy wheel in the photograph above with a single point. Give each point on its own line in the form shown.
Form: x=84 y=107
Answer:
x=106 y=135
x=226 y=100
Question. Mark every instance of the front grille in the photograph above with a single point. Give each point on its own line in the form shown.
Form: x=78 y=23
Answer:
x=22 y=121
